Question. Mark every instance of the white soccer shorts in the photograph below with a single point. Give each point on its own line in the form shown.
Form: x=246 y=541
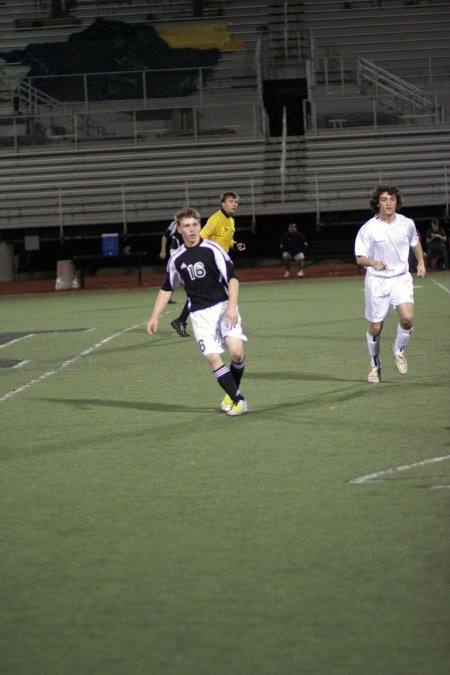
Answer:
x=210 y=328
x=382 y=293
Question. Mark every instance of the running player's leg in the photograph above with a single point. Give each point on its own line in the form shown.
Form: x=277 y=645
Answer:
x=224 y=377
x=237 y=363
x=205 y=324
x=376 y=310
x=403 y=299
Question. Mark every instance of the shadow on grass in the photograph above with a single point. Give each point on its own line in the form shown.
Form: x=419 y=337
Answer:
x=301 y=377
x=165 y=407
x=145 y=406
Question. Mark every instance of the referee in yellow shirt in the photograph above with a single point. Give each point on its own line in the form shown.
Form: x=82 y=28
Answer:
x=220 y=229
x=220 y=226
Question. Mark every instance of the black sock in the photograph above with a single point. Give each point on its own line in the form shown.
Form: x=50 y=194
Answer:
x=237 y=370
x=228 y=383
x=184 y=313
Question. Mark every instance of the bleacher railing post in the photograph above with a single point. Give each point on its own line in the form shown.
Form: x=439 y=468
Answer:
x=135 y=128
x=86 y=94
x=15 y=135
x=447 y=205
x=195 y=122
x=285 y=29
x=200 y=79
x=252 y=194
x=144 y=88
x=316 y=184
x=374 y=112
x=60 y=212
x=124 y=210
x=75 y=131
x=283 y=155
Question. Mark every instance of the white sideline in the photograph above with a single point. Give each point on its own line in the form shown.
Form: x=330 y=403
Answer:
x=444 y=288
x=69 y=362
x=396 y=469
x=13 y=342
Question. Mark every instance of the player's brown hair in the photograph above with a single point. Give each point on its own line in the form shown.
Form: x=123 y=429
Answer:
x=187 y=212
x=391 y=190
x=225 y=196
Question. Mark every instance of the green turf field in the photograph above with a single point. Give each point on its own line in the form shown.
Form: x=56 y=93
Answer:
x=144 y=532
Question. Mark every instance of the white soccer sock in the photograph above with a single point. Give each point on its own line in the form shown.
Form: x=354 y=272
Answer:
x=402 y=338
x=374 y=344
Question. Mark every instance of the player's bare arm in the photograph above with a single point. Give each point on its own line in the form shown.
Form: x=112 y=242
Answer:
x=418 y=252
x=163 y=252
x=231 y=315
x=162 y=300
x=364 y=261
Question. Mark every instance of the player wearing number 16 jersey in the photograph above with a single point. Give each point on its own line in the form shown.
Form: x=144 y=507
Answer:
x=212 y=287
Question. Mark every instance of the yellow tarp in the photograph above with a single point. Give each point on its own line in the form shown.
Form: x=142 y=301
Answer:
x=200 y=36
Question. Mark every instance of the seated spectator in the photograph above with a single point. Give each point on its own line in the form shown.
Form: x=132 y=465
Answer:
x=436 y=240
x=293 y=246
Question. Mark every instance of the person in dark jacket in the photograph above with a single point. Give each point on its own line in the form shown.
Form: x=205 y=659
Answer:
x=293 y=246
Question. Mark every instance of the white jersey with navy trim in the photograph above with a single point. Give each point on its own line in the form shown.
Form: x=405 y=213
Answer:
x=388 y=242
x=204 y=270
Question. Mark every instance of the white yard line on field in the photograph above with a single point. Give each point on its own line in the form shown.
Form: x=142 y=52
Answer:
x=13 y=342
x=444 y=288
x=69 y=362
x=396 y=469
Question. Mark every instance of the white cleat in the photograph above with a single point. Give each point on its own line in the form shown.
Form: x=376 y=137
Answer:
x=239 y=408
x=374 y=375
x=400 y=361
x=287 y=274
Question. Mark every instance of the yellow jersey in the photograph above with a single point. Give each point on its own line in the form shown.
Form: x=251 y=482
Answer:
x=220 y=228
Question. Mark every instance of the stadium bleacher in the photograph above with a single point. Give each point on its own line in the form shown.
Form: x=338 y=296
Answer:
x=140 y=167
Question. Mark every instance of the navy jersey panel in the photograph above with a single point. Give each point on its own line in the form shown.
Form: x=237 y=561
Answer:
x=173 y=236
x=204 y=270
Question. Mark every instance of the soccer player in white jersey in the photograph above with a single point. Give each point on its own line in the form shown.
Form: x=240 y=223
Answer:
x=212 y=287
x=382 y=246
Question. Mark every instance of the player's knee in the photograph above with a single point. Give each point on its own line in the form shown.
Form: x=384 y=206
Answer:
x=406 y=322
x=375 y=329
x=237 y=354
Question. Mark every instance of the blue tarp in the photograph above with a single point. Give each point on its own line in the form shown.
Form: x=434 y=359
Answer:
x=111 y=46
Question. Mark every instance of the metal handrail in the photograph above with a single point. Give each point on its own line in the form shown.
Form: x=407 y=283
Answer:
x=34 y=101
x=399 y=89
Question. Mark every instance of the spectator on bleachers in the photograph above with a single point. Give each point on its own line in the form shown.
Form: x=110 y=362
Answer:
x=436 y=240
x=293 y=246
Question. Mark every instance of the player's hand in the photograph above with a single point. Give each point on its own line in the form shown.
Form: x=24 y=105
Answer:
x=231 y=317
x=162 y=255
x=421 y=270
x=378 y=265
x=240 y=246
x=152 y=326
